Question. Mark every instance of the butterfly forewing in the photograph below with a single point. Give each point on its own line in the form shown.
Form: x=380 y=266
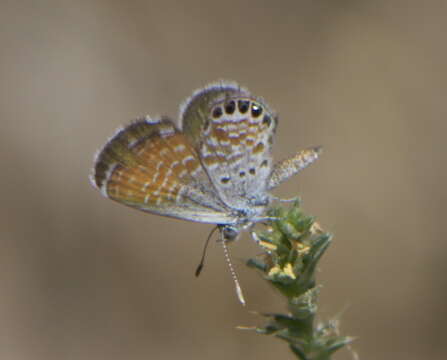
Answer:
x=150 y=165
x=232 y=132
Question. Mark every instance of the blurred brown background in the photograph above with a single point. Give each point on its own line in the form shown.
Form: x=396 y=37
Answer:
x=82 y=277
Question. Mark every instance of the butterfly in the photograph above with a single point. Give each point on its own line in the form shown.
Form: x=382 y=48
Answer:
x=215 y=167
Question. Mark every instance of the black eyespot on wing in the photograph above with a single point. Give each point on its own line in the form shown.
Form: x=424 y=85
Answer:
x=243 y=106
x=267 y=120
x=242 y=174
x=256 y=110
x=217 y=112
x=252 y=171
x=264 y=163
x=230 y=107
x=225 y=180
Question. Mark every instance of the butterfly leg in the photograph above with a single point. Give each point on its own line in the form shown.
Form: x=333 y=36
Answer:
x=255 y=237
x=295 y=199
x=267 y=247
x=263 y=219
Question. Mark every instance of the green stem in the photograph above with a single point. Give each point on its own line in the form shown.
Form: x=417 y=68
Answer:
x=293 y=245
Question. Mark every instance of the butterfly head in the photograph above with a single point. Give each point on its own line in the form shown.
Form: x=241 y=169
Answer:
x=230 y=232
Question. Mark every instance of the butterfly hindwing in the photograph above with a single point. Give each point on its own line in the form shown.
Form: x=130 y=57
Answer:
x=232 y=132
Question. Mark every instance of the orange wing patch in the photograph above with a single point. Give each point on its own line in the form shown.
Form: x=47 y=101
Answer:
x=150 y=165
x=163 y=168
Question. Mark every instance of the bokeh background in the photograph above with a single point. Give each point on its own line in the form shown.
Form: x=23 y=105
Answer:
x=82 y=277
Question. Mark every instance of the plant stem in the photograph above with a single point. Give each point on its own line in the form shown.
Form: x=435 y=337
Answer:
x=293 y=246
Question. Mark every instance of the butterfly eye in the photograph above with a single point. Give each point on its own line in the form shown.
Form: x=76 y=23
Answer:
x=230 y=107
x=243 y=106
x=230 y=233
x=256 y=110
x=252 y=171
x=217 y=112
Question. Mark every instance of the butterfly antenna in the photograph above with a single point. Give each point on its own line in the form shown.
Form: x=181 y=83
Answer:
x=202 y=260
x=233 y=273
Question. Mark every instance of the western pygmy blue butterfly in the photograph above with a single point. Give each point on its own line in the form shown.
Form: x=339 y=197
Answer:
x=216 y=167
